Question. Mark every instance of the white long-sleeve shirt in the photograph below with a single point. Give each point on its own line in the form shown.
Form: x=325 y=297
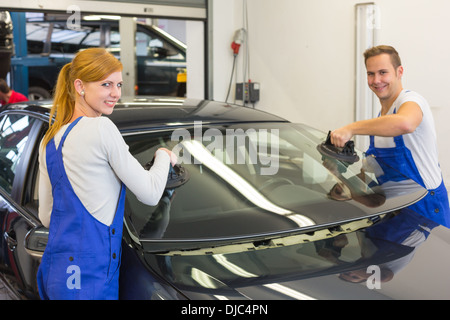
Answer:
x=97 y=160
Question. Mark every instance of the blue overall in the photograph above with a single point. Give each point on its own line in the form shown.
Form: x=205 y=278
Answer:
x=435 y=205
x=82 y=257
x=400 y=227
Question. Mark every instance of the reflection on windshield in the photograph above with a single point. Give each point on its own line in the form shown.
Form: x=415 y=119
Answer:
x=388 y=245
x=201 y=154
x=406 y=228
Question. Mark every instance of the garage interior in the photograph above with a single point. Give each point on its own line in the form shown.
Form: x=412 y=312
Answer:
x=302 y=59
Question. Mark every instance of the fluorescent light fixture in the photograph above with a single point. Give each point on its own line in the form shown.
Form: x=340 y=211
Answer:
x=100 y=17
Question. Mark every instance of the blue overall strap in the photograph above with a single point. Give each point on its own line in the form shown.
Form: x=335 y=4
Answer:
x=55 y=166
x=67 y=132
x=398 y=140
x=398 y=158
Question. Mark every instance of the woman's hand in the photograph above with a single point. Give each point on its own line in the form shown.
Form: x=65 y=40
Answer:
x=173 y=157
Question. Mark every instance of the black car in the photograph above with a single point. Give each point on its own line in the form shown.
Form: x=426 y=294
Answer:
x=257 y=213
x=160 y=57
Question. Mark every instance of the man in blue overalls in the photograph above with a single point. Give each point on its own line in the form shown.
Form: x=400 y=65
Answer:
x=403 y=136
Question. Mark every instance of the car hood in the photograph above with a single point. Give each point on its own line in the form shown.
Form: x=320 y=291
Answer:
x=408 y=268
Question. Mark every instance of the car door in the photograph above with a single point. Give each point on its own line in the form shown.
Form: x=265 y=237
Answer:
x=159 y=62
x=19 y=136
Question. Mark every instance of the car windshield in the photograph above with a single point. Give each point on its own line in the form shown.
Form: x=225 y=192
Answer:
x=256 y=179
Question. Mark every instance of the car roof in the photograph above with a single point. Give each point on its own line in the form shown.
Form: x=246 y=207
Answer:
x=146 y=113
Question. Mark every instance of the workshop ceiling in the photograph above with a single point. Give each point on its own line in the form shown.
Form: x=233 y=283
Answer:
x=185 y=9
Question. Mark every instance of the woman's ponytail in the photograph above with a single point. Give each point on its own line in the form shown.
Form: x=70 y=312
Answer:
x=89 y=65
x=63 y=104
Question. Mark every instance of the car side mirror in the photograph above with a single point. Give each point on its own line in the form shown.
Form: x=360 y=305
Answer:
x=36 y=241
x=159 y=53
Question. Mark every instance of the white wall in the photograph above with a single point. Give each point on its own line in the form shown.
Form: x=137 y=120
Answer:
x=223 y=26
x=302 y=53
x=419 y=30
x=195 y=59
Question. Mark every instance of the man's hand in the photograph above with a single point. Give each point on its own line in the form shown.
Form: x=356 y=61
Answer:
x=340 y=136
x=406 y=120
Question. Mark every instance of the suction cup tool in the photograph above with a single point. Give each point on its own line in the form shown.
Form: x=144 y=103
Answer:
x=178 y=175
x=345 y=154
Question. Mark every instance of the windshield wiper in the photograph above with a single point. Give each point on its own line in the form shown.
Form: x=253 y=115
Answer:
x=275 y=242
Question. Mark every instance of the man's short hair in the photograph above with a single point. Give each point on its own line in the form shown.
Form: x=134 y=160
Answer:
x=375 y=51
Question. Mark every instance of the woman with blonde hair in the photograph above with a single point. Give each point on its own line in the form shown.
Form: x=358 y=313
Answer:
x=84 y=167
